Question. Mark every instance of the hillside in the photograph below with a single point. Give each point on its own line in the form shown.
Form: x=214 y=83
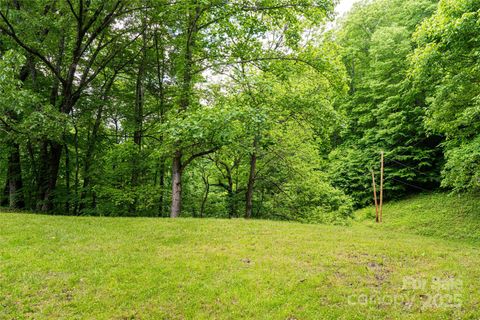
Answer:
x=454 y=217
x=142 y=268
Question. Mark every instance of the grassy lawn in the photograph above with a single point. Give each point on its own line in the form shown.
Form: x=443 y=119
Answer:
x=54 y=267
x=438 y=215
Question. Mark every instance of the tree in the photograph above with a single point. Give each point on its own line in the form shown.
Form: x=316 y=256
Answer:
x=85 y=48
x=237 y=98
x=383 y=111
x=445 y=65
x=219 y=34
x=13 y=103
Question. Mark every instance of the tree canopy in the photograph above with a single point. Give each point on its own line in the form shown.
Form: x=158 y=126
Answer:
x=256 y=109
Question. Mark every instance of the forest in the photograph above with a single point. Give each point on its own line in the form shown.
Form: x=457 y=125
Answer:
x=321 y=159
x=267 y=109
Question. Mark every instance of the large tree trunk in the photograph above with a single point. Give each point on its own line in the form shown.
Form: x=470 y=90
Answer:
x=50 y=157
x=176 y=185
x=184 y=103
x=53 y=168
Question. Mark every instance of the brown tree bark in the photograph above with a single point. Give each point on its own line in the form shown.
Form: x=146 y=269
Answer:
x=178 y=166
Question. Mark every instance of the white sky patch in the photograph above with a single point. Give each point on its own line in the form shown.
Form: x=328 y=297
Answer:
x=341 y=9
x=344 y=6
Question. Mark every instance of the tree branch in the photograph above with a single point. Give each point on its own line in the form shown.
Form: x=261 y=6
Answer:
x=72 y=9
x=199 y=154
x=242 y=61
x=12 y=34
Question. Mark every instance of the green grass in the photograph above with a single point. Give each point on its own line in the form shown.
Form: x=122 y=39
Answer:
x=437 y=215
x=54 y=267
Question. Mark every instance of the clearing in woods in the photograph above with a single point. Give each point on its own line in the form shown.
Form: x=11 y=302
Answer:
x=143 y=268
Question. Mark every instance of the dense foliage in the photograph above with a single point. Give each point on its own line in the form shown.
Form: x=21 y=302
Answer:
x=447 y=66
x=229 y=109
x=384 y=111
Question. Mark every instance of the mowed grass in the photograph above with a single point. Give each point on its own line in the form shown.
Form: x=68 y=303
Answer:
x=439 y=215
x=54 y=267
